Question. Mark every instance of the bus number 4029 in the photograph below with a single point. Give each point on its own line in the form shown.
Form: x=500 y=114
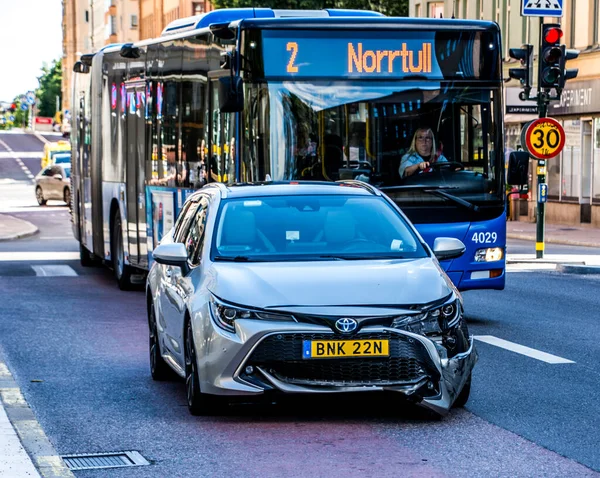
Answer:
x=484 y=237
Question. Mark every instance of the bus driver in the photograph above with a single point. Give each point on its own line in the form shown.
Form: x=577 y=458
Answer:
x=421 y=154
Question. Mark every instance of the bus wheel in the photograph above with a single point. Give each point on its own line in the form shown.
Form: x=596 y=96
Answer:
x=122 y=271
x=39 y=195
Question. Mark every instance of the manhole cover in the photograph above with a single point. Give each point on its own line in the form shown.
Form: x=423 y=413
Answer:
x=92 y=461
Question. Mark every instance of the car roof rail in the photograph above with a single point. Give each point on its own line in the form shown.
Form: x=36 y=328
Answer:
x=361 y=184
x=222 y=188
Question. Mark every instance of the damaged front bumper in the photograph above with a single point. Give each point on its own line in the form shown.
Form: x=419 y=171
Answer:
x=418 y=366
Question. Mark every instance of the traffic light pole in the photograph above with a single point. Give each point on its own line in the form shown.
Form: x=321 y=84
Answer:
x=541 y=179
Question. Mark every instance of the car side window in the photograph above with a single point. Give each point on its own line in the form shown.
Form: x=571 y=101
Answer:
x=180 y=219
x=195 y=238
x=181 y=231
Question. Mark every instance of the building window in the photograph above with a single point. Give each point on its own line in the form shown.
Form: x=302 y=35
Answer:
x=111 y=26
x=582 y=24
x=418 y=10
x=197 y=8
x=133 y=21
x=436 y=9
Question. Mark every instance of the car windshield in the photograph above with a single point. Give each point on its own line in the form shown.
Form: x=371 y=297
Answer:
x=312 y=227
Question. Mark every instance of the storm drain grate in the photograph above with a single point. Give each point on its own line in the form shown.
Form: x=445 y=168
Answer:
x=92 y=461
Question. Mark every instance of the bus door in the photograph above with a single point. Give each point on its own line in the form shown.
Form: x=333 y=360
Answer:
x=222 y=148
x=85 y=171
x=135 y=174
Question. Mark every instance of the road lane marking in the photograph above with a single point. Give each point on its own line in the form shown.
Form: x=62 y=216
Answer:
x=521 y=349
x=17 y=157
x=54 y=271
x=38 y=256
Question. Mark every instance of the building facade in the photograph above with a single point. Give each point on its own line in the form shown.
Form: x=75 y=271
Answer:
x=573 y=177
x=89 y=25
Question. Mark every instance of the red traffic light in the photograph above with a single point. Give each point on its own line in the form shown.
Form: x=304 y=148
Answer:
x=552 y=35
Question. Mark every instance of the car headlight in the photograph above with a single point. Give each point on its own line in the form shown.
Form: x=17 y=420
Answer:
x=432 y=321
x=225 y=314
x=490 y=254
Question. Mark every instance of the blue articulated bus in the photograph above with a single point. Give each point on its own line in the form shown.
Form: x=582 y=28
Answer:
x=252 y=95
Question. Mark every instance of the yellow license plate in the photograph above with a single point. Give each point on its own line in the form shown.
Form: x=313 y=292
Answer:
x=345 y=348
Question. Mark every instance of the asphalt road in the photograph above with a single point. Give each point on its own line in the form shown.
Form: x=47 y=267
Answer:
x=77 y=347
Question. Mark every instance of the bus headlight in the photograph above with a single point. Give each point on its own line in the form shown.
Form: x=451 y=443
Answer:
x=490 y=254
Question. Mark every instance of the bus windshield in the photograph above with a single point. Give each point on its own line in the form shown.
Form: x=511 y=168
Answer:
x=361 y=130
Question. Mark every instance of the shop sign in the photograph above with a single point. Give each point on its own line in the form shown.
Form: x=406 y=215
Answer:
x=578 y=97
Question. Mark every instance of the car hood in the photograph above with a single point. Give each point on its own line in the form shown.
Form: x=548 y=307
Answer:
x=334 y=285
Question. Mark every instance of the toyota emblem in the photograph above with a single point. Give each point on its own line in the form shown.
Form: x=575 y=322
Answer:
x=346 y=325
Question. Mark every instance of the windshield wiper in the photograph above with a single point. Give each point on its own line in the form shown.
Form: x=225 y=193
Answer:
x=360 y=258
x=439 y=191
x=234 y=258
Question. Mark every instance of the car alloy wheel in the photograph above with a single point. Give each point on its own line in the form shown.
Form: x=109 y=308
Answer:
x=192 y=386
x=39 y=195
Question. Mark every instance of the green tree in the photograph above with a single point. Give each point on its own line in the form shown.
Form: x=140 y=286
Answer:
x=50 y=88
x=392 y=8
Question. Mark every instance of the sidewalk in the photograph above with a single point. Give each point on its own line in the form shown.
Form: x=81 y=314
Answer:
x=582 y=235
x=12 y=228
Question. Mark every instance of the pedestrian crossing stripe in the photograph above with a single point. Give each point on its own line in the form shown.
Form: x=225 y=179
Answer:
x=542 y=8
x=54 y=271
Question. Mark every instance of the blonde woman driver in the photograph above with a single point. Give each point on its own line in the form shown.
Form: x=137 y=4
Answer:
x=421 y=154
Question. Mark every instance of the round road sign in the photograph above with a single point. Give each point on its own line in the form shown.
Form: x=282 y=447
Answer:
x=545 y=138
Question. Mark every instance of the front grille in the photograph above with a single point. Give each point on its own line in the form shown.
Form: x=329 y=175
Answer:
x=281 y=355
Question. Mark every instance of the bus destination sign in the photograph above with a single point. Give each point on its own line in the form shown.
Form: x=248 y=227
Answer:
x=351 y=56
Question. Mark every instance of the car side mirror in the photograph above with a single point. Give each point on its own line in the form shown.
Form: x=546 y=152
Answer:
x=58 y=177
x=518 y=168
x=172 y=254
x=448 y=248
x=231 y=94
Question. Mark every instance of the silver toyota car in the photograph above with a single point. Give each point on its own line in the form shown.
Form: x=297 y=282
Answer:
x=302 y=288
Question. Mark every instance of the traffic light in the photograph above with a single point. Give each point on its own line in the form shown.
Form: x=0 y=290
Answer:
x=525 y=73
x=12 y=107
x=551 y=56
x=567 y=73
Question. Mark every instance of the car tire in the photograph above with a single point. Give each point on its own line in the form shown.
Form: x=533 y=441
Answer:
x=463 y=396
x=39 y=195
x=67 y=197
x=198 y=403
x=158 y=367
x=117 y=252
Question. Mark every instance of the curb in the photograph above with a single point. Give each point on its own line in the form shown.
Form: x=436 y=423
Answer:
x=566 y=242
x=577 y=269
x=546 y=261
x=25 y=228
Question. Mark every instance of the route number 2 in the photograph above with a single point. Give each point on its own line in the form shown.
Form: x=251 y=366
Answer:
x=293 y=47
x=484 y=237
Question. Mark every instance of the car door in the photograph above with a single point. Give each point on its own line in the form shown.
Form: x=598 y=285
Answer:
x=43 y=180
x=183 y=286
x=55 y=184
x=169 y=299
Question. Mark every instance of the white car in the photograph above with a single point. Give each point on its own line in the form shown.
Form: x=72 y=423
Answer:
x=53 y=182
x=301 y=288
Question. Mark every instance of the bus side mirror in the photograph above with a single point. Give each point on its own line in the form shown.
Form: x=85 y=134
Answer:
x=518 y=168
x=80 y=67
x=231 y=94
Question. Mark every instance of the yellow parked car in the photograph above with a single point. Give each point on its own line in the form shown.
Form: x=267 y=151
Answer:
x=51 y=149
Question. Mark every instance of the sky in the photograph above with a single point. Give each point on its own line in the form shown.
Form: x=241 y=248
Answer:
x=30 y=34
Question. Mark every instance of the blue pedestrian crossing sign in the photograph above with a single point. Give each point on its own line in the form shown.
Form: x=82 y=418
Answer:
x=542 y=8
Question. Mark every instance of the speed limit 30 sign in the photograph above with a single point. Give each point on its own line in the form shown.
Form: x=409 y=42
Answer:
x=545 y=138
